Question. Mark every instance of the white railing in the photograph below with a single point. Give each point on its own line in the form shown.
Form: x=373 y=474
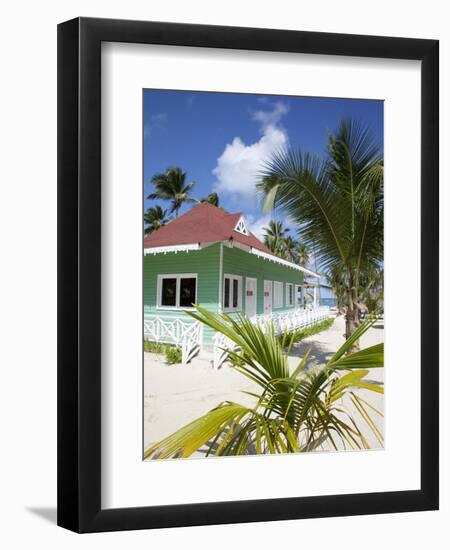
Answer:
x=188 y=336
x=286 y=321
x=191 y=342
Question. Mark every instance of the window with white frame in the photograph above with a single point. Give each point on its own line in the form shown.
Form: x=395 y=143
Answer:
x=289 y=294
x=232 y=292
x=240 y=227
x=298 y=295
x=178 y=291
x=277 y=294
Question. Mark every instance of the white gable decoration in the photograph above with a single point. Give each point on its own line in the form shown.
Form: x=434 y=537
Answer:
x=240 y=227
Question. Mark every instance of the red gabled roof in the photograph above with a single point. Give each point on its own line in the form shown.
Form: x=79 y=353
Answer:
x=204 y=223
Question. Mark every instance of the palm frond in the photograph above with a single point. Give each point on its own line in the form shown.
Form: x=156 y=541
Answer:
x=171 y=186
x=293 y=411
x=336 y=204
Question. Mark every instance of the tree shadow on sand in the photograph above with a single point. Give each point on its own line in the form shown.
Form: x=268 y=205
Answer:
x=318 y=352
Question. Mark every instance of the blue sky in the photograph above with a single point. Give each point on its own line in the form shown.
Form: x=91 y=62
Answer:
x=222 y=139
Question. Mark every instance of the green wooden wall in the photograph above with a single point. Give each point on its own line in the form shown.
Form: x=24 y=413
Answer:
x=239 y=262
x=206 y=263
x=203 y=262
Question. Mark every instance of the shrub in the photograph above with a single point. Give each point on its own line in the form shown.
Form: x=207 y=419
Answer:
x=153 y=347
x=313 y=329
x=303 y=333
x=173 y=355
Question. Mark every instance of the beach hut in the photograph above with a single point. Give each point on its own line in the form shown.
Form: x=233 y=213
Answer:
x=209 y=257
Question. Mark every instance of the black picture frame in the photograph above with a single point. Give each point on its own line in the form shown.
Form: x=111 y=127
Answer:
x=79 y=274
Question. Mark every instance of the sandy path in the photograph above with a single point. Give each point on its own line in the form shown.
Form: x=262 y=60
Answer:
x=323 y=345
x=177 y=394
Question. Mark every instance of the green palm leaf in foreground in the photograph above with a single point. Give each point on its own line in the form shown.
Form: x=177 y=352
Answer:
x=293 y=411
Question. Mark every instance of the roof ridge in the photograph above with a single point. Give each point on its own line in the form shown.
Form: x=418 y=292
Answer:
x=205 y=223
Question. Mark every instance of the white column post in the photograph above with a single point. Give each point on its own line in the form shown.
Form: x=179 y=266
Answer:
x=315 y=297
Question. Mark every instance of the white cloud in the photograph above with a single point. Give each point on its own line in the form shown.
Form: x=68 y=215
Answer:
x=239 y=165
x=273 y=117
x=256 y=226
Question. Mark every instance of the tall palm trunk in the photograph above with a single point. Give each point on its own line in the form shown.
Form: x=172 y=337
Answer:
x=352 y=317
x=352 y=314
x=315 y=270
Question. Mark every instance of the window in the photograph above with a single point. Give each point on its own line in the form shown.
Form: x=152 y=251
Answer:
x=187 y=291
x=235 y=293
x=289 y=294
x=177 y=291
x=277 y=294
x=226 y=298
x=232 y=292
x=240 y=227
x=169 y=292
x=298 y=295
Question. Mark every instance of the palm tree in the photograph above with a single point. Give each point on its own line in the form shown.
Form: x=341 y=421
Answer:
x=337 y=204
x=372 y=289
x=314 y=255
x=154 y=219
x=335 y=280
x=172 y=186
x=293 y=411
x=212 y=198
x=274 y=237
x=289 y=249
x=302 y=254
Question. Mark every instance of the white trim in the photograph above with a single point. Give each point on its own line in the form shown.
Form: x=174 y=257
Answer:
x=238 y=278
x=281 y=261
x=176 y=276
x=241 y=227
x=172 y=248
x=199 y=246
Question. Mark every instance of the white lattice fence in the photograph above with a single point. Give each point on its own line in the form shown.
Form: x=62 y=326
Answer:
x=191 y=341
x=288 y=321
x=188 y=336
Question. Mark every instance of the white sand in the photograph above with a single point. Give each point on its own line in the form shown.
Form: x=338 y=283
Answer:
x=323 y=345
x=177 y=394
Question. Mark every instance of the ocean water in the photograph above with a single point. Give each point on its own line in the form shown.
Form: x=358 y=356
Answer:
x=329 y=302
